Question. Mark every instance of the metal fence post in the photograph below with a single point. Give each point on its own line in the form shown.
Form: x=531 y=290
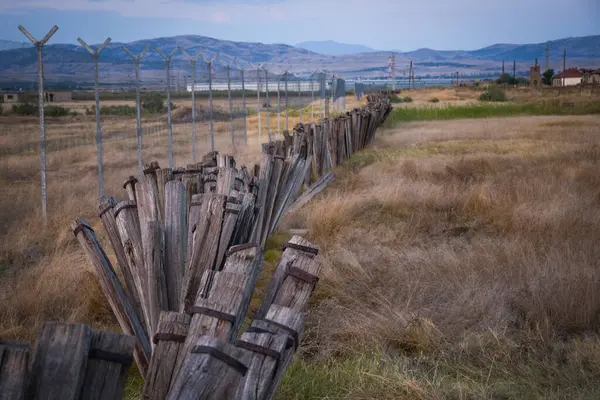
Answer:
x=244 y=107
x=286 y=101
x=278 y=106
x=299 y=97
x=39 y=44
x=229 y=98
x=169 y=125
x=268 y=105
x=137 y=59
x=312 y=97
x=193 y=63
x=96 y=53
x=210 y=100
x=258 y=94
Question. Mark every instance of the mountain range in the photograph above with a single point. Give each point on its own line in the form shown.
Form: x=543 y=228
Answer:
x=72 y=63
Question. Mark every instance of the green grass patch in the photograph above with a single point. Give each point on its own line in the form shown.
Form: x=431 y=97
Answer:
x=491 y=110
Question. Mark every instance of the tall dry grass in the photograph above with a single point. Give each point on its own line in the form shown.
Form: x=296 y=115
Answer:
x=469 y=247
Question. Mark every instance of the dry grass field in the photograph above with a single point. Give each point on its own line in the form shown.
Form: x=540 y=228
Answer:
x=461 y=262
x=461 y=257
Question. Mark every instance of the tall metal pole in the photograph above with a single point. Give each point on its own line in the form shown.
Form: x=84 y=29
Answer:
x=258 y=98
x=209 y=63
x=96 y=53
x=136 y=60
x=278 y=106
x=230 y=105
x=169 y=125
x=312 y=97
x=245 y=110
x=39 y=44
x=268 y=105
x=286 y=101
x=193 y=63
x=300 y=98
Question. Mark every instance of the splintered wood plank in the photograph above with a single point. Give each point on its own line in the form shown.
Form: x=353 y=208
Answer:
x=114 y=292
x=314 y=190
x=194 y=217
x=192 y=183
x=60 y=361
x=212 y=371
x=106 y=207
x=109 y=359
x=298 y=249
x=147 y=202
x=128 y=223
x=266 y=167
x=209 y=179
x=205 y=246
x=286 y=186
x=272 y=191
x=225 y=180
x=157 y=287
x=14 y=369
x=176 y=240
x=170 y=334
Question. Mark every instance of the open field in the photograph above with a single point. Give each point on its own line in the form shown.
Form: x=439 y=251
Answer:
x=461 y=262
x=460 y=256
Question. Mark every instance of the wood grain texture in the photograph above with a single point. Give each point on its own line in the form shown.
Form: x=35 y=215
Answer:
x=312 y=191
x=272 y=190
x=230 y=217
x=60 y=361
x=108 y=364
x=176 y=241
x=120 y=304
x=162 y=365
x=14 y=369
x=194 y=218
x=154 y=263
x=163 y=176
x=129 y=187
x=266 y=167
x=205 y=246
x=205 y=376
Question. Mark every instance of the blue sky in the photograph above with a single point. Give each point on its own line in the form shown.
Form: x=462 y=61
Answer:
x=381 y=24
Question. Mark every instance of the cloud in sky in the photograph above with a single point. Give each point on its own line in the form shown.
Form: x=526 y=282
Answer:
x=381 y=24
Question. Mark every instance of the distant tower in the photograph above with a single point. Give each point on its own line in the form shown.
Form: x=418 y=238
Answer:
x=547 y=56
x=535 y=75
x=502 y=67
x=565 y=60
x=514 y=69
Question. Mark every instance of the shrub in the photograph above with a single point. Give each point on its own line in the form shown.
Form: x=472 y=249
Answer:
x=120 y=111
x=25 y=109
x=56 y=111
x=434 y=100
x=407 y=99
x=397 y=99
x=154 y=103
x=493 y=93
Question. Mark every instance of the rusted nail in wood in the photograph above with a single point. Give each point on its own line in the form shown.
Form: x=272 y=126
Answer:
x=131 y=180
x=123 y=205
x=82 y=224
x=110 y=356
x=292 y=332
x=240 y=247
x=219 y=355
x=168 y=337
x=213 y=313
x=302 y=275
x=255 y=348
x=299 y=247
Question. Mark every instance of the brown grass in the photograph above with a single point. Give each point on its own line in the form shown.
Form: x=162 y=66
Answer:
x=471 y=246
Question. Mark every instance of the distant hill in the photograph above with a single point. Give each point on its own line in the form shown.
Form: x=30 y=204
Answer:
x=9 y=45
x=72 y=63
x=331 y=48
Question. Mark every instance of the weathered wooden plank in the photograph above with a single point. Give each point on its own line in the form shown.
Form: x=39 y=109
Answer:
x=106 y=208
x=110 y=356
x=14 y=369
x=314 y=190
x=225 y=180
x=232 y=211
x=194 y=218
x=154 y=262
x=193 y=185
x=205 y=246
x=272 y=191
x=163 y=176
x=291 y=169
x=147 y=202
x=176 y=240
x=210 y=176
x=170 y=334
x=266 y=167
x=113 y=290
x=129 y=186
x=128 y=224
x=60 y=361
x=297 y=250
x=212 y=371
x=245 y=221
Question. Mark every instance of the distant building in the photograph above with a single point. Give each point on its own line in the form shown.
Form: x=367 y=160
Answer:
x=11 y=97
x=570 y=77
x=591 y=77
x=535 y=75
x=58 y=97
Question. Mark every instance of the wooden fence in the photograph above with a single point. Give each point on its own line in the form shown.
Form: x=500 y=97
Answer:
x=189 y=247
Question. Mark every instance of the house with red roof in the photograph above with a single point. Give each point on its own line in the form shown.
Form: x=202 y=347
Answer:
x=570 y=77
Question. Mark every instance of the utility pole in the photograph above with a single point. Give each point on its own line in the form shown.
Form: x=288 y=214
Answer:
x=502 y=67
x=565 y=60
x=515 y=71
x=410 y=74
x=547 y=56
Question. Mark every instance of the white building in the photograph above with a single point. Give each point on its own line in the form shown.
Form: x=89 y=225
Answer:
x=570 y=77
